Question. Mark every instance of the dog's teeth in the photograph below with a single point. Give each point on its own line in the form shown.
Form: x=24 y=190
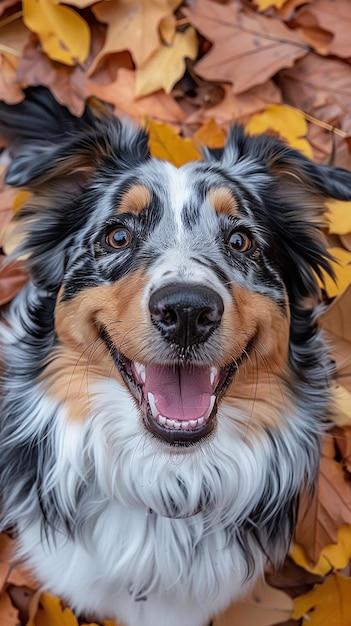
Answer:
x=200 y=421
x=193 y=423
x=152 y=403
x=140 y=370
x=170 y=423
x=213 y=374
x=162 y=419
x=209 y=410
x=185 y=424
x=177 y=424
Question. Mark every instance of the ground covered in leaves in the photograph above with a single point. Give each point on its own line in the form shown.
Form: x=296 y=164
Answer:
x=187 y=71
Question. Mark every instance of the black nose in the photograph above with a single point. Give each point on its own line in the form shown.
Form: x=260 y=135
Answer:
x=184 y=314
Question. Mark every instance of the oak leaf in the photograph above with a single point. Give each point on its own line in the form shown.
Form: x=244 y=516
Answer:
x=120 y=94
x=64 y=34
x=132 y=25
x=167 y=64
x=262 y=607
x=334 y=18
x=288 y=122
x=327 y=604
x=330 y=507
x=248 y=48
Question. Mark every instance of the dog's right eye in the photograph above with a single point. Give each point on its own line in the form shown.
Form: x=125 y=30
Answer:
x=118 y=238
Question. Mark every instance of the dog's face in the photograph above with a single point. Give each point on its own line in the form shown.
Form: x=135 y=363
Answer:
x=178 y=283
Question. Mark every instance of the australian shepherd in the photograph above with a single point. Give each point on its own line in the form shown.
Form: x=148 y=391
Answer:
x=164 y=382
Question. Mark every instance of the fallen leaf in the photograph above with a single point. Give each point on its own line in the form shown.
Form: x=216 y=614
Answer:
x=8 y=613
x=235 y=108
x=339 y=217
x=166 y=144
x=262 y=5
x=210 y=135
x=327 y=605
x=321 y=517
x=132 y=25
x=333 y=17
x=341 y=265
x=51 y=613
x=64 y=34
x=120 y=94
x=343 y=444
x=167 y=64
x=248 y=48
x=333 y=556
x=10 y=90
x=288 y=122
x=262 y=607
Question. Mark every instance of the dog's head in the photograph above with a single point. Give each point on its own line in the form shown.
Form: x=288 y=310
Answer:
x=186 y=285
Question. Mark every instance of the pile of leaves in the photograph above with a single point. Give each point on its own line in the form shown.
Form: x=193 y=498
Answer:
x=187 y=71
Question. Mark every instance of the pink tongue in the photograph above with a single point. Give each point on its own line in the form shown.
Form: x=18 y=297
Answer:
x=182 y=393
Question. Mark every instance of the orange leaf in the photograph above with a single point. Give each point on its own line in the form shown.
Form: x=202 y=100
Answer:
x=51 y=613
x=210 y=135
x=167 y=145
x=327 y=604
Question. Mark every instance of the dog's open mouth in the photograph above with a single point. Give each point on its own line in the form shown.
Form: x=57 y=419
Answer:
x=178 y=402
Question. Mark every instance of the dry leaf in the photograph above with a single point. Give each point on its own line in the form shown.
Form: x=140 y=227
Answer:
x=132 y=25
x=342 y=268
x=167 y=64
x=237 y=107
x=333 y=556
x=248 y=48
x=167 y=145
x=330 y=507
x=262 y=607
x=333 y=17
x=10 y=90
x=159 y=106
x=51 y=613
x=8 y=614
x=339 y=217
x=289 y=123
x=63 y=33
x=210 y=135
x=262 y=5
x=327 y=605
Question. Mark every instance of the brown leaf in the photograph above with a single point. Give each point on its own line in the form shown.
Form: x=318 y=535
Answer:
x=8 y=614
x=262 y=607
x=343 y=444
x=314 y=84
x=120 y=94
x=132 y=25
x=330 y=507
x=7 y=4
x=10 y=91
x=248 y=49
x=334 y=20
x=12 y=279
x=237 y=108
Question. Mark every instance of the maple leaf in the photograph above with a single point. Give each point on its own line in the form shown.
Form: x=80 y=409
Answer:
x=166 y=144
x=328 y=604
x=330 y=508
x=132 y=25
x=63 y=33
x=167 y=64
x=248 y=48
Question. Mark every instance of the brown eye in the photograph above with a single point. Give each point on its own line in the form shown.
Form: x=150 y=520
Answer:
x=119 y=238
x=239 y=241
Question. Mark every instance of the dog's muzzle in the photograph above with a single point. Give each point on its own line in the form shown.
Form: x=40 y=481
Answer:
x=178 y=392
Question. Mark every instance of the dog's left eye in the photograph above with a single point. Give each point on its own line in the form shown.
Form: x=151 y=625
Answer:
x=118 y=238
x=239 y=241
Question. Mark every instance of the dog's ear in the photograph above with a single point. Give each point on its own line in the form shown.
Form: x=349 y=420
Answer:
x=292 y=191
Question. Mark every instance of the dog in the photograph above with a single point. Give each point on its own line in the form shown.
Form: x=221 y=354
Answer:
x=165 y=384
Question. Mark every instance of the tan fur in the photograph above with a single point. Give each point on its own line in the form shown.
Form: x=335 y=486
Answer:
x=135 y=200
x=222 y=201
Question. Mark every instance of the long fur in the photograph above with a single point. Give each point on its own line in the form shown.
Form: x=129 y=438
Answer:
x=121 y=517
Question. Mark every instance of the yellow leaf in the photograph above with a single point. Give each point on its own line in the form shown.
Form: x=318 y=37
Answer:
x=288 y=122
x=339 y=217
x=262 y=5
x=20 y=198
x=64 y=35
x=333 y=556
x=210 y=135
x=342 y=268
x=327 y=604
x=167 y=64
x=51 y=613
x=167 y=29
x=341 y=406
x=167 y=145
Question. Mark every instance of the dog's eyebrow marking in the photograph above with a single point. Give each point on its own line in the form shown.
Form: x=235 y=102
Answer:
x=222 y=200
x=134 y=200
